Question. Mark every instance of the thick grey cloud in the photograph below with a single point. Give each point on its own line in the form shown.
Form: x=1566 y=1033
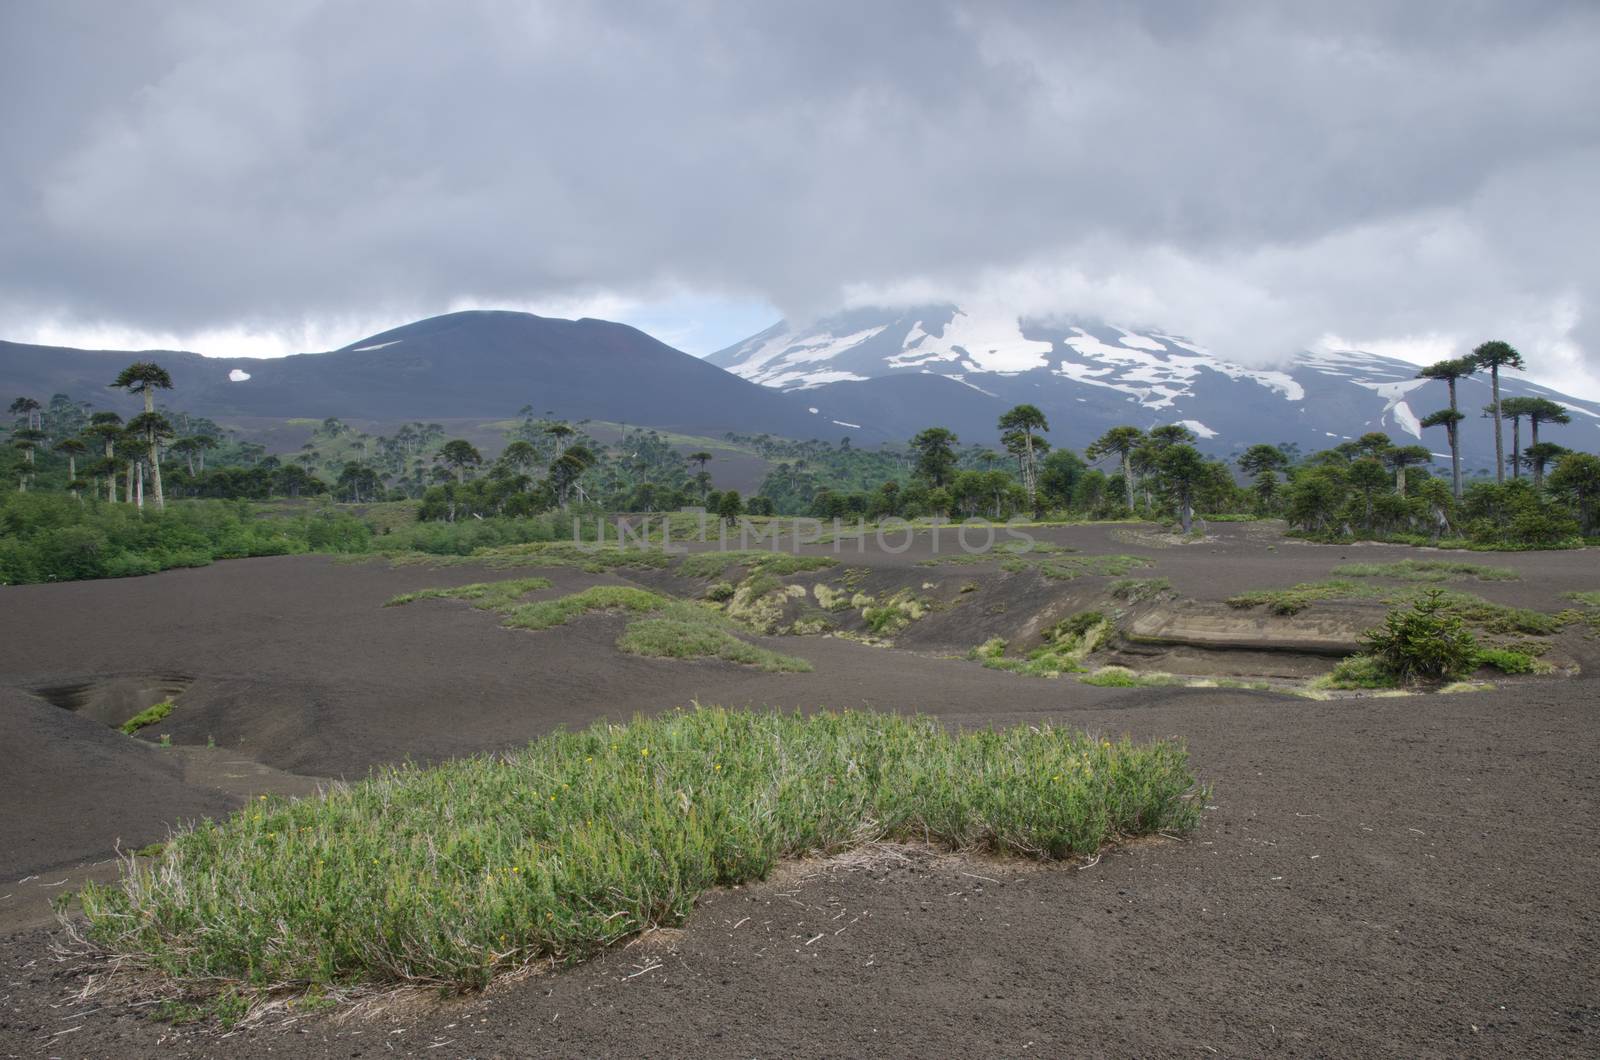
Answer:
x=1256 y=175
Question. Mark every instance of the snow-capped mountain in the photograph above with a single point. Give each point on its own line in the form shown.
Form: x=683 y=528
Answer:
x=904 y=368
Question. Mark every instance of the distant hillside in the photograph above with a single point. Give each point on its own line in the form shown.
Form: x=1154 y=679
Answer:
x=480 y=364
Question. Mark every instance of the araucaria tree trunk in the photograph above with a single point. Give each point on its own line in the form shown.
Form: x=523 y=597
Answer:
x=1499 y=439
x=1127 y=475
x=155 y=457
x=1516 y=447
x=1455 y=442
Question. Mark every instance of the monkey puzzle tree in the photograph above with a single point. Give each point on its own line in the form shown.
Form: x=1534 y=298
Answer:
x=458 y=454
x=27 y=407
x=561 y=434
x=106 y=428
x=1540 y=455
x=1182 y=471
x=1450 y=420
x=1495 y=355
x=936 y=455
x=1516 y=409
x=1259 y=458
x=1119 y=442
x=567 y=469
x=72 y=448
x=729 y=506
x=1367 y=477
x=1401 y=457
x=145 y=378
x=185 y=448
x=1263 y=462
x=1020 y=424
x=152 y=429
x=26 y=440
x=1577 y=480
x=1449 y=372
x=1543 y=410
x=520 y=456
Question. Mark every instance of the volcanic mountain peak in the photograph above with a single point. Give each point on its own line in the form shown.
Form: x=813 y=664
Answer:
x=1088 y=375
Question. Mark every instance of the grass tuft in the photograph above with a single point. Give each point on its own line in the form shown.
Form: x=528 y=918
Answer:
x=1510 y=661
x=1122 y=677
x=1297 y=598
x=547 y=614
x=687 y=630
x=454 y=874
x=1134 y=590
x=1356 y=672
x=1427 y=570
x=148 y=716
x=491 y=596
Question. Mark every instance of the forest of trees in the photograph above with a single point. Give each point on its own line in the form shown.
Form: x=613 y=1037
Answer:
x=1540 y=495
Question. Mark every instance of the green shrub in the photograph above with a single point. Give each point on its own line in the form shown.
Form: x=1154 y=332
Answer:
x=1077 y=625
x=451 y=875
x=52 y=537
x=720 y=591
x=1507 y=661
x=1356 y=672
x=1424 y=642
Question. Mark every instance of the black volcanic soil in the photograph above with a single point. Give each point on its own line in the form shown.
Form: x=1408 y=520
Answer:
x=1380 y=876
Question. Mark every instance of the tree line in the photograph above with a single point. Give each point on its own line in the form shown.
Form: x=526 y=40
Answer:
x=1369 y=486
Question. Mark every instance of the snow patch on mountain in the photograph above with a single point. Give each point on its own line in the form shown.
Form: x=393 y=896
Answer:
x=1198 y=428
x=1139 y=342
x=1394 y=393
x=993 y=343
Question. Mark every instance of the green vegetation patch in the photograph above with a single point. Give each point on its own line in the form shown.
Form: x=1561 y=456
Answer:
x=1427 y=570
x=594 y=559
x=1357 y=672
x=674 y=629
x=1134 y=590
x=1069 y=567
x=1065 y=647
x=1297 y=598
x=1587 y=612
x=48 y=537
x=1510 y=661
x=1427 y=641
x=547 y=614
x=490 y=596
x=1486 y=616
x=148 y=716
x=895 y=613
x=1122 y=677
x=1475 y=611
x=454 y=874
x=687 y=635
x=780 y=564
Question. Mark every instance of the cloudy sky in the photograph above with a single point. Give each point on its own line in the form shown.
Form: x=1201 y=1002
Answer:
x=248 y=178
